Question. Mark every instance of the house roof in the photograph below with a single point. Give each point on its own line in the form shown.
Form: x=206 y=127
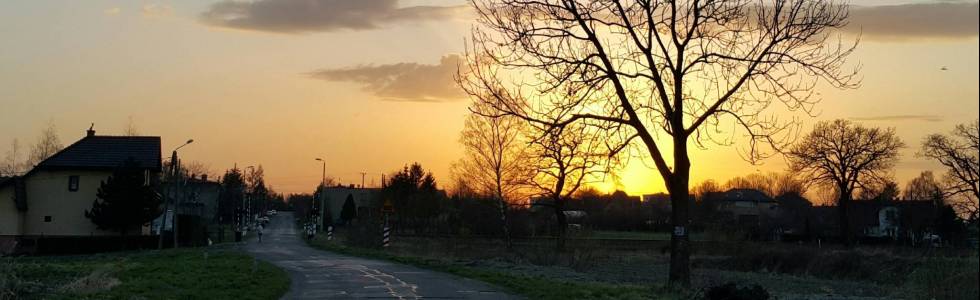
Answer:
x=751 y=195
x=106 y=152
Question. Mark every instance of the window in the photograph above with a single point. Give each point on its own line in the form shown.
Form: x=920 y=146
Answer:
x=73 y=183
x=47 y=219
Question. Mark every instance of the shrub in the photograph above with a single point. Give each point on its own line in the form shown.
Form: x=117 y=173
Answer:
x=364 y=233
x=943 y=279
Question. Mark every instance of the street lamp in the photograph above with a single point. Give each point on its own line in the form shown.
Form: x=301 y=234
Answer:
x=323 y=182
x=174 y=172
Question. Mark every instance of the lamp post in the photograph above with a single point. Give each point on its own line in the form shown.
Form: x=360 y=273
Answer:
x=174 y=173
x=323 y=182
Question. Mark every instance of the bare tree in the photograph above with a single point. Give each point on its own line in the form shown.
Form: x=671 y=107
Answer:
x=495 y=162
x=566 y=158
x=196 y=168
x=47 y=144
x=130 y=128
x=12 y=164
x=702 y=189
x=846 y=156
x=772 y=184
x=643 y=69
x=924 y=187
x=959 y=152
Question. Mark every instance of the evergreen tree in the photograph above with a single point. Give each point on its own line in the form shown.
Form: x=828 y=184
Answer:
x=349 y=211
x=125 y=200
x=232 y=194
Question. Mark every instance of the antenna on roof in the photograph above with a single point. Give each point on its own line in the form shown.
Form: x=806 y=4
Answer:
x=91 y=130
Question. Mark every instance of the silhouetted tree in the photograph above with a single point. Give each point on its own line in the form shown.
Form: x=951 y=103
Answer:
x=924 y=187
x=641 y=69
x=846 y=156
x=495 y=162
x=414 y=195
x=705 y=187
x=232 y=195
x=47 y=144
x=772 y=184
x=959 y=152
x=126 y=200
x=349 y=211
x=130 y=128
x=564 y=159
x=12 y=165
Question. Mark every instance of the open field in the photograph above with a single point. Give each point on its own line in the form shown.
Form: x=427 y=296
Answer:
x=169 y=274
x=637 y=269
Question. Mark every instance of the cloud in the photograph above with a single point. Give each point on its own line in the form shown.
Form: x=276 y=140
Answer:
x=307 y=16
x=112 y=11
x=923 y=118
x=947 y=20
x=157 y=10
x=402 y=81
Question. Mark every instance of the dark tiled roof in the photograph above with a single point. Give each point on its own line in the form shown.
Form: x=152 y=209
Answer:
x=752 y=195
x=106 y=152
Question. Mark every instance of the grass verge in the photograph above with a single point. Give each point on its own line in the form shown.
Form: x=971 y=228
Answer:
x=167 y=274
x=533 y=287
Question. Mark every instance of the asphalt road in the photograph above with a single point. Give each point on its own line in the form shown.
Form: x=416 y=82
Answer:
x=318 y=274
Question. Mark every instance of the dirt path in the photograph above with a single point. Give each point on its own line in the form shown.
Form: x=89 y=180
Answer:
x=318 y=274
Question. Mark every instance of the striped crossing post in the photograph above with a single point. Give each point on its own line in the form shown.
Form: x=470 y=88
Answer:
x=386 y=236
x=329 y=233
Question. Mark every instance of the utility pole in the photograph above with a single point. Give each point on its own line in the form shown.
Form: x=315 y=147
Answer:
x=171 y=197
x=319 y=196
x=362 y=179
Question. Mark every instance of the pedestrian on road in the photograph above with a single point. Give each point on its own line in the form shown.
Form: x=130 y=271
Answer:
x=259 y=232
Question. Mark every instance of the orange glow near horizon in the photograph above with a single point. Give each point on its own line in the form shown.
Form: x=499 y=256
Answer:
x=281 y=99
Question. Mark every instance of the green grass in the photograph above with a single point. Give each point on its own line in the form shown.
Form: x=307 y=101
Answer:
x=528 y=286
x=168 y=274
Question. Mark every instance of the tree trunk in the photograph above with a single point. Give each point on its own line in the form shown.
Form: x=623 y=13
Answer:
x=503 y=212
x=562 y=224
x=680 y=245
x=844 y=221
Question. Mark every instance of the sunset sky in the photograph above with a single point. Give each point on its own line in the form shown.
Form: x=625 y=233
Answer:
x=367 y=85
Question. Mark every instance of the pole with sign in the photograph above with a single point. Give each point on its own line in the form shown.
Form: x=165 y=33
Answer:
x=387 y=209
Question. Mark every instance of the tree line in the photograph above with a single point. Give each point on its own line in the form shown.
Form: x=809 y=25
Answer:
x=649 y=79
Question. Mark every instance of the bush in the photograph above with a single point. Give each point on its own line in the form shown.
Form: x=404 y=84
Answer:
x=730 y=291
x=943 y=279
x=364 y=233
x=879 y=266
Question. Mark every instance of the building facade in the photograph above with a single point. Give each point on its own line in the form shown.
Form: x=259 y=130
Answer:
x=50 y=200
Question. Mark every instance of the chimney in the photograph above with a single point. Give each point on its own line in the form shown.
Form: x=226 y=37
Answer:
x=90 y=131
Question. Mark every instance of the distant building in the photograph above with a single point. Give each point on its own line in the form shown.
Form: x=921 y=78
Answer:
x=333 y=198
x=752 y=211
x=198 y=198
x=50 y=200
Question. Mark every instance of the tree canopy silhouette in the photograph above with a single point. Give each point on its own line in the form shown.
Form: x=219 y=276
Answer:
x=959 y=153
x=846 y=156
x=126 y=200
x=640 y=70
x=349 y=211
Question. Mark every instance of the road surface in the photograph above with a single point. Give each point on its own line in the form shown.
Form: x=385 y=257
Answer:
x=318 y=274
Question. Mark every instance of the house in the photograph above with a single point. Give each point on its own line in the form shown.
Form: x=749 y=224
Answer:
x=50 y=200
x=751 y=210
x=875 y=221
x=333 y=198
